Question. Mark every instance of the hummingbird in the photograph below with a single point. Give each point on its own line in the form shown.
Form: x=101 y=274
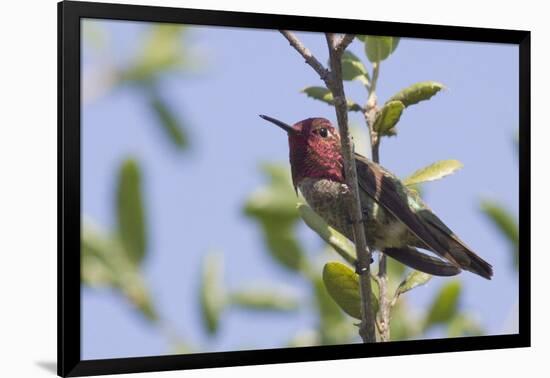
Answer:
x=396 y=220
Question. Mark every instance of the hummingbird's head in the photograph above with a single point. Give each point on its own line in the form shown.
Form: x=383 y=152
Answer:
x=314 y=149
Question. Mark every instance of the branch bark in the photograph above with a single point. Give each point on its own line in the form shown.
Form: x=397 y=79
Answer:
x=333 y=81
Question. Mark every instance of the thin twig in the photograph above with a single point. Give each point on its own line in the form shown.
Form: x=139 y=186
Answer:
x=324 y=74
x=384 y=305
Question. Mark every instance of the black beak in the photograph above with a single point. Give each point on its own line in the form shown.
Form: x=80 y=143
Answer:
x=282 y=125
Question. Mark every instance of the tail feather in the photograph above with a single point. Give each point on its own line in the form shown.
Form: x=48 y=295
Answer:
x=476 y=264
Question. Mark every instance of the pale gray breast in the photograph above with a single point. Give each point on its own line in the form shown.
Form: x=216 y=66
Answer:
x=327 y=199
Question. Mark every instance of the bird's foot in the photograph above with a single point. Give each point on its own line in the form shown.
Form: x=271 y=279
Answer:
x=361 y=269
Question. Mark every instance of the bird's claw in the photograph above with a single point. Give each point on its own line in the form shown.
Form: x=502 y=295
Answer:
x=359 y=269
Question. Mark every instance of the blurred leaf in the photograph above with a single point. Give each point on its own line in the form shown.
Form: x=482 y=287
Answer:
x=417 y=92
x=463 y=325
x=336 y=240
x=263 y=300
x=274 y=206
x=94 y=34
x=277 y=200
x=334 y=328
x=404 y=325
x=212 y=294
x=105 y=263
x=168 y=120
x=162 y=50
x=130 y=211
x=432 y=172
x=353 y=68
x=282 y=243
x=342 y=284
x=414 y=279
x=305 y=338
x=445 y=304
x=323 y=94
x=379 y=48
x=395 y=270
x=388 y=116
x=505 y=223
x=95 y=269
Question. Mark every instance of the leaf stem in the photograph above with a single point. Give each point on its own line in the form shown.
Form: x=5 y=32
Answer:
x=384 y=305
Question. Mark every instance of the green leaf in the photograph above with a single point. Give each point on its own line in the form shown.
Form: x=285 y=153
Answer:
x=334 y=327
x=168 y=120
x=212 y=294
x=417 y=92
x=379 y=48
x=505 y=223
x=445 y=304
x=353 y=68
x=362 y=38
x=414 y=279
x=336 y=240
x=130 y=211
x=274 y=207
x=323 y=94
x=463 y=325
x=342 y=284
x=162 y=50
x=263 y=300
x=388 y=116
x=432 y=172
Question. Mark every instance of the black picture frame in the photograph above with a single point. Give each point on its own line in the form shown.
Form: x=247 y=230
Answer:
x=69 y=188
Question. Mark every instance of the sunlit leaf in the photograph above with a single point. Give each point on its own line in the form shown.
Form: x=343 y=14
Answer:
x=323 y=94
x=445 y=304
x=379 y=48
x=353 y=68
x=339 y=242
x=505 y=222
x=162 y=50
x=417 y=92
x=433 y=171
x=130 y=211
x=212 y=294
x=95 y=268
x=168 y=120
x=388 y=117
x=106 y=263
x=263 y=300
x=342 y=284
x=414 y=279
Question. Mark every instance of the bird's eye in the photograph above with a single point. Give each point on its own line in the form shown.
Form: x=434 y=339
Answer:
x=323 y=132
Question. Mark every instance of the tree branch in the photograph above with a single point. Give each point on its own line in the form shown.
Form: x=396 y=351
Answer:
x=336 y=49
x=333 y=81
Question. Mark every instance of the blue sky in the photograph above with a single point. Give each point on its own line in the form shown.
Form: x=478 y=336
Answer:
x=244 y=73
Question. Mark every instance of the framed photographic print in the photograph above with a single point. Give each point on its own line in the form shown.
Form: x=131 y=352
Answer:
x=239 y=188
